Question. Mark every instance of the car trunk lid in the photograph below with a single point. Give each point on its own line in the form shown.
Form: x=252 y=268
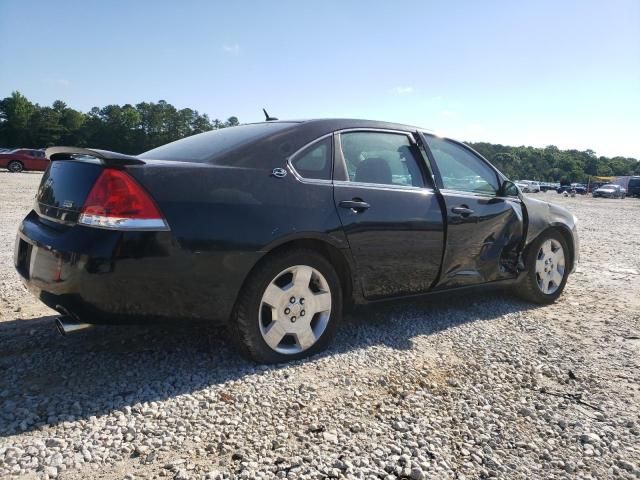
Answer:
x=78 y=175
x=64 y=188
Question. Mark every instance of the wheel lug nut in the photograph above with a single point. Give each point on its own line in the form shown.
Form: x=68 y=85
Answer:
x=302 y=313
x=292 y=300
x=293 y=319
x=287 y=311
x=302 y=301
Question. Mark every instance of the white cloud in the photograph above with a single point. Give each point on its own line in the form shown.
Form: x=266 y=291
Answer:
x=231 y=49
x=402 y=90
x=449 y=113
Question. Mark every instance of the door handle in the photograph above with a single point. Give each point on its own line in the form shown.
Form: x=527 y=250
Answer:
x=464 y=211
x=356 y=204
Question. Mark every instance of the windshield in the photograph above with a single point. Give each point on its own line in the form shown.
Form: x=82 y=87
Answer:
x=204 y=146
x=609 y=186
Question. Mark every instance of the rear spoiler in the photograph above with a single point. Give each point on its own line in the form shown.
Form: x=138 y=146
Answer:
x=106 y=157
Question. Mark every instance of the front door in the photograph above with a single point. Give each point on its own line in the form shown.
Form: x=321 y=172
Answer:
x=41 y=162
x=390 y=214
x=484 y=229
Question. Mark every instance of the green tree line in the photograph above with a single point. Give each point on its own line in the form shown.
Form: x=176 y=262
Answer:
x=128 y=128
x=550 y=164
x=134 y=129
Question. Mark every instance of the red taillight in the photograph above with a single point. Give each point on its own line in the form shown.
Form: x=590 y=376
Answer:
x=118 y=201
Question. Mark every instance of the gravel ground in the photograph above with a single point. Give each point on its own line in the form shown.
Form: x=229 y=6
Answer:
x=462 y=386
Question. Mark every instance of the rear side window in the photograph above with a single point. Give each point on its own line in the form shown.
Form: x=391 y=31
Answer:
x=204 y=146
x=460 y=169
x=314 y=162
x=380 y=158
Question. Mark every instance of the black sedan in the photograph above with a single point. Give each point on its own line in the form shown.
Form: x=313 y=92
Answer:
x=272 y=228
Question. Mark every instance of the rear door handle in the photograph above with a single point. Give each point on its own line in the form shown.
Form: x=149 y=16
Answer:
x=464 y=211
x=355 y=204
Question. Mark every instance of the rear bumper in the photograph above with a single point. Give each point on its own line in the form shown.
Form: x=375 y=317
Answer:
x=104 y=276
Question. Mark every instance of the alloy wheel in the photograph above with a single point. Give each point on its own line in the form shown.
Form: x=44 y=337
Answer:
x=15 y=167
x=550 y=266
x=295 y=309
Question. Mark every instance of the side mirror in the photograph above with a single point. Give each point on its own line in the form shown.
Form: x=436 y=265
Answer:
x=509 y=189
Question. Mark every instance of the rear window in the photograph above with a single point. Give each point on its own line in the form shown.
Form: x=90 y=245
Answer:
x=205 y=146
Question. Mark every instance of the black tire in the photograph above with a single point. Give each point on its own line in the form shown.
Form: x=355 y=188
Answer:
x=14 y=166
x=244 y=327
x=528 y=288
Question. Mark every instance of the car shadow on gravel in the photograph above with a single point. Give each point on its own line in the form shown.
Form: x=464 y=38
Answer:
x=48 y=379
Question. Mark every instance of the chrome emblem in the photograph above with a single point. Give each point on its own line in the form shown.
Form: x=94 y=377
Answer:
x=67 y=204
x=279 y=172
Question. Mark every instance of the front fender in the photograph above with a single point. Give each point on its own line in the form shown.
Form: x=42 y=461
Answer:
x=544 y=215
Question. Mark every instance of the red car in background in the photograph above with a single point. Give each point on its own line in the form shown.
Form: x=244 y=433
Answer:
x=24 y=159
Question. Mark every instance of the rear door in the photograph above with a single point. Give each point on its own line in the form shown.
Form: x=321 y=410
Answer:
x=484 y=229
x=389 y=211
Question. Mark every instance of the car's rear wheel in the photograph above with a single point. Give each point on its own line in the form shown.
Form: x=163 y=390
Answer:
x=15 y=166
x=289 y=308
x=547 y=269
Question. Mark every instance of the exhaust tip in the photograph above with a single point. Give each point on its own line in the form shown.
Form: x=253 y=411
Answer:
x=67 y=323
x=60 y=326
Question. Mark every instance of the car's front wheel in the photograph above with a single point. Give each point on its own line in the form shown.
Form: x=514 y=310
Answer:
x=15 y=166
x=547 y=265
x=289 y=308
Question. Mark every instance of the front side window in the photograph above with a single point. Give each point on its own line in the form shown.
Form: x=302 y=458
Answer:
x=380 y=158
x=314 y=162
x=460 y=169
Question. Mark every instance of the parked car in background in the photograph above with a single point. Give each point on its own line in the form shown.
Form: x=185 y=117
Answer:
x=577 y=187
x=610 y=190
x=22 y=159
x=546 y=186
x=528 y=186
x=633 y=187
x=593 y=186
x=270 y=228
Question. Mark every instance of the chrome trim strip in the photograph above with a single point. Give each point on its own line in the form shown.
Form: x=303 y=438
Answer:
x=294 y=172
x=308 y=145
x=465 y=193
x=37 y=207
x=462 y=193
x=382 y=186
x=117 y=223
x=373 y=129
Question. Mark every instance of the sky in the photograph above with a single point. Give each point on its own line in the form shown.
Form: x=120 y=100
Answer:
x=564 y=73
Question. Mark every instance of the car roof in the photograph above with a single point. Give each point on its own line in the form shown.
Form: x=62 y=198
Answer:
x=292 y=136
x=345 y=123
